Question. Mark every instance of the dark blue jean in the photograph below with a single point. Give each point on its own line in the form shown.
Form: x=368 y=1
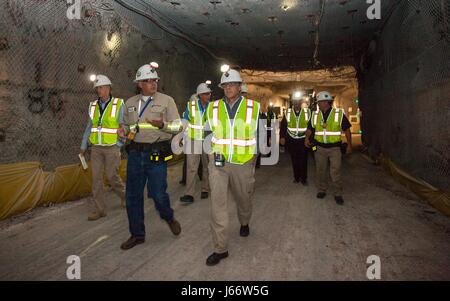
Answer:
x=140 y=170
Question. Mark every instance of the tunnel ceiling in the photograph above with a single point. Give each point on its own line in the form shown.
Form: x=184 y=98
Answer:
x=270 y=34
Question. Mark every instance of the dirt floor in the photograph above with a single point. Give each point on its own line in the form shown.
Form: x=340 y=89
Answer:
x=294 y=235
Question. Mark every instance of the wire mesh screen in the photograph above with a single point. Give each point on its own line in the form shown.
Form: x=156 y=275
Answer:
x=405 y=90
x=46 y=59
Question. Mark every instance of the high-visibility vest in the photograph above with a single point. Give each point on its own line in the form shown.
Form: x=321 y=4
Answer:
x=332 y=132
x=297 y=125
x=195 y=125
x=104 y=130
x=235 y=139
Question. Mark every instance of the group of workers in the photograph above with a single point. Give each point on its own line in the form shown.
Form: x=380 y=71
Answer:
x=147 y=123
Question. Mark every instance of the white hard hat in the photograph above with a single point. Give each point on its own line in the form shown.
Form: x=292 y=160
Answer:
x=147 y=71
x=244 y=88
x=203 y=88
x=101 y=80
x=324 y=96
x=231 y=76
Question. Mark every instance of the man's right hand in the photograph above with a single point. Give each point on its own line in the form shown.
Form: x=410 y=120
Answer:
x=82 y=152
x=282 y=141
x=121 y=132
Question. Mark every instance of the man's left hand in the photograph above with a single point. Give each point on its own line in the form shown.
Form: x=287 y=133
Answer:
x=157 y=123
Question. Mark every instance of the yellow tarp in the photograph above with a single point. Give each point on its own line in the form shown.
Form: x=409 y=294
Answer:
x=436 y=198
x=24 y=186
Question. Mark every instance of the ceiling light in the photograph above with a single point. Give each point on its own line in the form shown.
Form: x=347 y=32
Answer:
x=224 y=68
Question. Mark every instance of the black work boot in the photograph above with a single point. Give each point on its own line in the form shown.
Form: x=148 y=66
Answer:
x=339 y=200
x=131 y=242
x=215 y=258
x=244 y=231
x=187 y=199
x=321 y=195
x=204 y=195
x=175 y=227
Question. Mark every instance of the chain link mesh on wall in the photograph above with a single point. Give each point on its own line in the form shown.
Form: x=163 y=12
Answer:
x=46 y=60
x=405 y=90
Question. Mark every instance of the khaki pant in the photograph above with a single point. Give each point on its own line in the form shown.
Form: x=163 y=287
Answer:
x=193 y=162
x=322 y=157
x=231 y=181
x=105 y=159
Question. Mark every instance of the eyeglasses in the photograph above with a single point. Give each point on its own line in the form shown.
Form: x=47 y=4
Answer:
x=150 y=80
x=230 y=85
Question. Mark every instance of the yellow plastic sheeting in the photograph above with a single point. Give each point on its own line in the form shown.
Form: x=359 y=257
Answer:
x=21 y=187
x=24 y=186
x=66 y=183
x=436 y=198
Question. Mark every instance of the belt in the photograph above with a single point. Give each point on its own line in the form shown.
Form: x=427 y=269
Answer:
x=148 y=147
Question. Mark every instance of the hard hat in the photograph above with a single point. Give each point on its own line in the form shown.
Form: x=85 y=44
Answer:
x=101 y=80
x=324 y=96
x=244 y=88
x=304 y=99
x=203 y=88
x=147 y=71
x=231 y=76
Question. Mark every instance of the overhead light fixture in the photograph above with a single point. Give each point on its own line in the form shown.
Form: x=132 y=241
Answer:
x=92 y=77
x=297 y=94
x=225 y=68
x=271 y=104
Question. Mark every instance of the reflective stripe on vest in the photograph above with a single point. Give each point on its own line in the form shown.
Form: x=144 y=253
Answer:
x=114 y=108
x=238 y=142
x=104 y=130
x=248 y=116
x=216 y=113
x=193 y=108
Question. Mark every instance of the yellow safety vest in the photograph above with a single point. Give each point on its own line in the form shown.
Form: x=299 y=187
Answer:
x=104 y=130
x=195 y=126
x=235 y=139
x=328 y=131
x=297 y=125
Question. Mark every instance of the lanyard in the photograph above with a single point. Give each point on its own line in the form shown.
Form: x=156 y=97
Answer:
x=101 y=111
x=149 y=100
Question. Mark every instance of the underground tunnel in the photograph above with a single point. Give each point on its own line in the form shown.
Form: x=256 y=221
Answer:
x=330 y=198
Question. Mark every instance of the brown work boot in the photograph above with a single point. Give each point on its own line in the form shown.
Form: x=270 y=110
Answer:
x=175 y=227
x=131 y=242
x=96 y=215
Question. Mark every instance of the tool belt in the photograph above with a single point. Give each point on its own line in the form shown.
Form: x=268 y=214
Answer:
x=159 y=151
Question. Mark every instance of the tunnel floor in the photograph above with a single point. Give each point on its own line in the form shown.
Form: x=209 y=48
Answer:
x=294 y=236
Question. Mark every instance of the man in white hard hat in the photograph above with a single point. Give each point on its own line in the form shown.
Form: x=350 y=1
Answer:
x=244 y=90
x=105 y=118
x=327 y=125
x=195 y=154
x=292 y=133
x=151 y=119
x=233 y=122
